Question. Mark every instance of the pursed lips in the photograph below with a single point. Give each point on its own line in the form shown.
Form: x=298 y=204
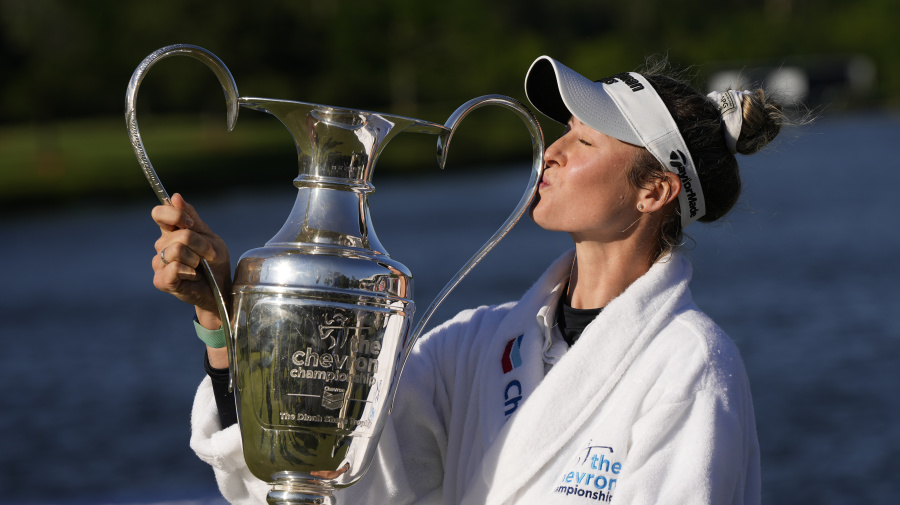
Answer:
x=544 y=181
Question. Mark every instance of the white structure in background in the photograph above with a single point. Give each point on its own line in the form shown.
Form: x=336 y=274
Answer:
x=812 y=80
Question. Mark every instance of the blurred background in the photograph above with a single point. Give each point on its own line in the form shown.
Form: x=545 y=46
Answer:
x=99 y=368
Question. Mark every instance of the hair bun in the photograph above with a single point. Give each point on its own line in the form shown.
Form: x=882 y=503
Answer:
x=761 y=123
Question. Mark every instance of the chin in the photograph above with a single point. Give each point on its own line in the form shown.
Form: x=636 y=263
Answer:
x=543 y=222
x=534 y=212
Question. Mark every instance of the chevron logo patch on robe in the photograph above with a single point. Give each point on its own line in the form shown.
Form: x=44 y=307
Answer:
x=512 y=359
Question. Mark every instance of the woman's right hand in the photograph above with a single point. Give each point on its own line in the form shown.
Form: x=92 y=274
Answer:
x=184 y=240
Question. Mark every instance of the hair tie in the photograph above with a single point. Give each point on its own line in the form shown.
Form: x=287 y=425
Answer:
x=728 y=103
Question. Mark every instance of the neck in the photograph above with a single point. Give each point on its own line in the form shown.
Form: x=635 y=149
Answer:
x=602 y=271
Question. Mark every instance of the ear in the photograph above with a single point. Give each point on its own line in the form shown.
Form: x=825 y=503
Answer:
x=659 y=192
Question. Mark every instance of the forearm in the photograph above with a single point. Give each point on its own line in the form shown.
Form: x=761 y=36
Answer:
x=218 y=356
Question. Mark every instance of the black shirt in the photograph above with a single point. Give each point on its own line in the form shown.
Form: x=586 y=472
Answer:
x=572 y=322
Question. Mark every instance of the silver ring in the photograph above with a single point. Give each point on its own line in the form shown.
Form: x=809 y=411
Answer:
x=162 y=256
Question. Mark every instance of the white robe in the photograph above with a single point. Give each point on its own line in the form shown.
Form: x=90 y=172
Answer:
x=651 y=405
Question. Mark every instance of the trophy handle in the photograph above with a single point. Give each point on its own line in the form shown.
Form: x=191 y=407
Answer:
x=231 y=101
x=537 y=167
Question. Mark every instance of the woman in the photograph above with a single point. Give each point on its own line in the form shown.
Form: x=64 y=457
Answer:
x=604 y=382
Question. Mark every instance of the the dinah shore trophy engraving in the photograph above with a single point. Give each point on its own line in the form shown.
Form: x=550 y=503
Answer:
x=320 y=322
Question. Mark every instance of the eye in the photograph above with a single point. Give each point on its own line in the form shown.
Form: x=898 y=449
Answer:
x=585 y=142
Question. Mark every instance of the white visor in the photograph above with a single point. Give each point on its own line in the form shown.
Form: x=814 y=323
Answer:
x=624 y=106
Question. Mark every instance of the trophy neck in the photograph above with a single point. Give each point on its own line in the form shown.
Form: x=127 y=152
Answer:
x=337 y=146
x=329 y=215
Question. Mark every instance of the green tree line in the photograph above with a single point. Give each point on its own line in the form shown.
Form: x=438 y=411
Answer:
x=73 y=58
x=63 y=62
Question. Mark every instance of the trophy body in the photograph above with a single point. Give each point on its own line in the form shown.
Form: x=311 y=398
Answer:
x=314 y=368
x=320 y=323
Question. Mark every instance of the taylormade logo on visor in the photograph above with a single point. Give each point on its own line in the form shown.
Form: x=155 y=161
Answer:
x=625 y=77
x=678 y=161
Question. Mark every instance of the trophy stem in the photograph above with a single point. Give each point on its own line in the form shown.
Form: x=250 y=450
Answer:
x=292 y=488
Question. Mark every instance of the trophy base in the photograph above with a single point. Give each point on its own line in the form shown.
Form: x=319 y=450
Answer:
x=292 y=488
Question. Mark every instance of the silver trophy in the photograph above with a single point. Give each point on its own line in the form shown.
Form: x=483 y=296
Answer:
x=320 y=323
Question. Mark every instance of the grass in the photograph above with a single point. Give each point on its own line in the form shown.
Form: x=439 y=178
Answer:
x=93 y=157
x=69 y=161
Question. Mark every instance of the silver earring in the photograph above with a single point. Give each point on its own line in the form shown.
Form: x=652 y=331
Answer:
x=640 y=206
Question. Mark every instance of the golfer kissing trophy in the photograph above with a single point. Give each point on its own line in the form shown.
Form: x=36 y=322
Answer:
x=319 y=327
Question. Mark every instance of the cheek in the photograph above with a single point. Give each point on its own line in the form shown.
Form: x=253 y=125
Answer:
x=604 y=195
x=588 y=187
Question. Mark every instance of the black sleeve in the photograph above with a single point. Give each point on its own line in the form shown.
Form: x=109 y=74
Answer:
x=224 y=398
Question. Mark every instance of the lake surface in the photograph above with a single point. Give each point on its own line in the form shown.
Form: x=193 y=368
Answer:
x=100 y=368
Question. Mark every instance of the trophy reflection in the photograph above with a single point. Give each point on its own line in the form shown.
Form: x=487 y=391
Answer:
x=320 y=322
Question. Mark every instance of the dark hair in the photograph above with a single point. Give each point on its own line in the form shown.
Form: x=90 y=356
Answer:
x=703 y=131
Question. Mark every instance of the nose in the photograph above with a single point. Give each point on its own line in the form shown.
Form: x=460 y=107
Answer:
x=555 y=154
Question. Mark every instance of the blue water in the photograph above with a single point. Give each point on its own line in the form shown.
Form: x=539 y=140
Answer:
x=99 y=369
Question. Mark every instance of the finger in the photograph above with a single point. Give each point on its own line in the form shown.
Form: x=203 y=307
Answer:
x=194 y=221
x=180 y=253
x=199 y=244
x=174 y=278
x=170 y=218
x=178 y=271
x=164 y=241
x=196 y=224
x=181 y=238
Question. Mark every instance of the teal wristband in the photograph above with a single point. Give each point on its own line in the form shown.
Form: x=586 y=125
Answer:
x=212 y=338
